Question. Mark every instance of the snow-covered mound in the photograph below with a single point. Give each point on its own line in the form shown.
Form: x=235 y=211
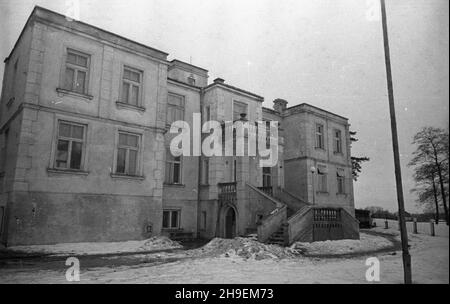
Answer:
x=366 y=243
x=247 y=248
x=153 y=243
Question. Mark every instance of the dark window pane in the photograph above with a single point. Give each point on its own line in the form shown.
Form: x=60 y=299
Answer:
x=64 y=130
x=134 y=95
x=123 y=139
x=121 y=160
x=81 y=78
x=77 y=132
x=168 y=171
x=132 y=140
x=132 y=162
x=176 y=173
x=68 y=82
x=125 y=92
x=174 y=219
x=62 y=153
x=72 y=58
x=75 y=156
x=82 y=61
x=166 y=215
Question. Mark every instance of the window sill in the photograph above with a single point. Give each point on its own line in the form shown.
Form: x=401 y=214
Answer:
x=338 y=153
x=204 y=185
x=126 y=176
x=62 y=92
x=172 y=229
x=67 y=171
x=174 y=185
x=319 y=148
x=123 y=105
x=341 y=194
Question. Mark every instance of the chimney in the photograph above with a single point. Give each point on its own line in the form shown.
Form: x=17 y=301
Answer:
x=279 y=105
x=219 y=80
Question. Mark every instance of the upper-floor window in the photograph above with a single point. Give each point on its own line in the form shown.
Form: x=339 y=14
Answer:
x=128 y=153
x=173 y=168
x=337 y=141
x=238 y=109
x=77 y=71
x=340 y=175
x=320 y=136
x=175 y=108
x=205 y=172
x=322 y=185
x=267 y=177
x=207 y=113
x=131 y=86
x=69 y=145
x=191 y=80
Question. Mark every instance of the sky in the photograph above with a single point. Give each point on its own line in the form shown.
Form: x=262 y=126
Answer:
x=328 y=53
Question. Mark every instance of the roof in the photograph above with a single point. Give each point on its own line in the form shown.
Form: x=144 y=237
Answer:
x=185 y=64
x=221 y=84
x=316 y=108
x=46 y=15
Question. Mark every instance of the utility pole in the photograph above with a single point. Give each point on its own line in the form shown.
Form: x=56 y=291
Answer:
x=398 y=173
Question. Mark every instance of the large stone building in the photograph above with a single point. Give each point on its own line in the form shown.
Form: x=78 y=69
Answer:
x=84 y=120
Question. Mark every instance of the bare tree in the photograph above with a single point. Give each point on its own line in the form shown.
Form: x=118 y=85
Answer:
x=432 y=150
x=427 y=192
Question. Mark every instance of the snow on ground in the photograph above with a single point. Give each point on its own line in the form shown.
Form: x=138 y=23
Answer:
x=366 y=243
x=153 y=243
x=430 y=260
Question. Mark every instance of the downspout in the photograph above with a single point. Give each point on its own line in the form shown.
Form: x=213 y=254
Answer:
x=199 y=166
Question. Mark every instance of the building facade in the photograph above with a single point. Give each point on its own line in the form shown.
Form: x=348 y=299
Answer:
x=84 y=120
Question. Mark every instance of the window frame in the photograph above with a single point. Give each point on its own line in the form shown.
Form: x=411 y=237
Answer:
x=170 y=227
x=204 y=178
x=322 y=179
x=131 y=83
x=233 y=109
x=69 y=150
x=320 y=136
x=337 y=141
x=340 y=177
x=170 y=106
x=168 y=179
x=138 y=170
x=76 y=68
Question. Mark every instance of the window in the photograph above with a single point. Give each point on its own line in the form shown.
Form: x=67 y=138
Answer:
x=127 y=154
x=76 y=73
x=131 y=86
x=267 y=177
x=175 y=108
x=205 y=172
x=69 y=145
x=171 y=219
x=319 y=136
x=322 y=178
x=173 y=168
x=238 y=109
x=207 y=116
x=340 y=181
x=5 y=151
x=191 y=80
x=337 y=141
x=203 y=220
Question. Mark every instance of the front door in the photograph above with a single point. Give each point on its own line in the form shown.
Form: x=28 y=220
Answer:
x=230 y=224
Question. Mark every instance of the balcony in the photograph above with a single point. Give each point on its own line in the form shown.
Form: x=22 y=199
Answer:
x=227 y=191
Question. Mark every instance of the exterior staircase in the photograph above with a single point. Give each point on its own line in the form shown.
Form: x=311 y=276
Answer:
x=296 y=220
x=278 y=237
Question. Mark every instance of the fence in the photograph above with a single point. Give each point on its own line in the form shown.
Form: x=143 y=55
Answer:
x=422 y=227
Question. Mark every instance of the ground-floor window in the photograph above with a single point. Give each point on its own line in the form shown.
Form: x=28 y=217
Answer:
x=171 y=219
x=340 y=181
x=203 y=220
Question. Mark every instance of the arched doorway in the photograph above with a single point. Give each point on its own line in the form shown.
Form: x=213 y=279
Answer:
x=230 y=223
